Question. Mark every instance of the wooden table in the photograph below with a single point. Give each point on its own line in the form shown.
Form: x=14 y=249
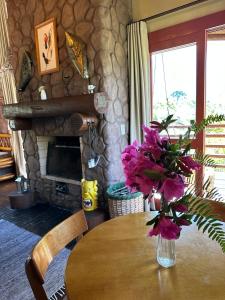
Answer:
x=117 y=260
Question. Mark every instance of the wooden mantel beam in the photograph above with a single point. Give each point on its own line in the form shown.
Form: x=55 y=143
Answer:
x=88 y=104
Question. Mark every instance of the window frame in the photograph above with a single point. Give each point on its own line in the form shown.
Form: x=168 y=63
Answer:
x=193 y=31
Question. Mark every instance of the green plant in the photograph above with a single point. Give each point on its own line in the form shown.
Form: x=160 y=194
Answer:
x=158 y=165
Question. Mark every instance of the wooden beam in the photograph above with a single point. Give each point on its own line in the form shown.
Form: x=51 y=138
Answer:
x=88 y=104
x=76 y=124
x=20 y=124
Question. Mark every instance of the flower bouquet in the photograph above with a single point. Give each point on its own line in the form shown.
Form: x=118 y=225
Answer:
x=158 y=165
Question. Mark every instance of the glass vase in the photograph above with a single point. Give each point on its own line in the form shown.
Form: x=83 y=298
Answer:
x=166 y=256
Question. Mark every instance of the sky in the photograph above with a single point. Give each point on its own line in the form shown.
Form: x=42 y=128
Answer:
x=178 y=67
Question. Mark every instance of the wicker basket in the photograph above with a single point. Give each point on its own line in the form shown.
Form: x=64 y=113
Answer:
x=122 y=204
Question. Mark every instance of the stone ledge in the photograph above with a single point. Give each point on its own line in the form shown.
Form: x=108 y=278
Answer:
x=61 y=179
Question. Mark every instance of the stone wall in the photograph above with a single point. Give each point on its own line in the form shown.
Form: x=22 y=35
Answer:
x=101 y=24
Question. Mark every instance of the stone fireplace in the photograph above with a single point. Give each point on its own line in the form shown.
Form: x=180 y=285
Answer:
x=60 y=169
x=102 y=27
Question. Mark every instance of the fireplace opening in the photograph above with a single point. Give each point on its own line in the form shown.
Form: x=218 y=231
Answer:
x=64 y=158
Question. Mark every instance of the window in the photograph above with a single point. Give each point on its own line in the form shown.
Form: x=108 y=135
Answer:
x=174 y=86
x=188 y=82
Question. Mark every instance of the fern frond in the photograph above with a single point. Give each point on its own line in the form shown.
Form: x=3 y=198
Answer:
x=201 y=210
x=204 y=160
x=211 y=119
x=212 y=226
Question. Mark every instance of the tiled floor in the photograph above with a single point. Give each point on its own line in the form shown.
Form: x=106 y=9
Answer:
x=38 y=219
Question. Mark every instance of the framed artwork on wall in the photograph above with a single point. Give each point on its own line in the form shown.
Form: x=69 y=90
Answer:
x=46 y=47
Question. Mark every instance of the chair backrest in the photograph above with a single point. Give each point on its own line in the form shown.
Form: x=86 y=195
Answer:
x=49 y=246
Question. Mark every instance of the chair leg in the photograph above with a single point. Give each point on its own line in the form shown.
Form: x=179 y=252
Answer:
x=35 y=284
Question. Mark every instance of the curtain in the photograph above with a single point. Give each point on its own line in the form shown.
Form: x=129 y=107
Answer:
x=139 y=79
x=7 y=81
x=4 y=37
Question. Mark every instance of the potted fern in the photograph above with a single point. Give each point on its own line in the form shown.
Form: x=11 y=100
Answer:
x=158 y=165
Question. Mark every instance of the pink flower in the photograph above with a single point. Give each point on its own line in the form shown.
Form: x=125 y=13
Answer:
x=152 y=143
x=180 y=207
x=172 y=188
x=135 y=163
x=183 y=222
x=166 y=228
x=151 y=136
x=190 y=163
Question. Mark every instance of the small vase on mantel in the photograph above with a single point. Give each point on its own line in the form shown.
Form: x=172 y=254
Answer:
x=166 y=256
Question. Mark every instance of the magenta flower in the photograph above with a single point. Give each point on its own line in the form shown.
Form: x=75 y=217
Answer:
x=179 y=207
x=157 y=165
x=190 y=163
x=182 y=222
x=151 y=136
x=167 y=228
x=135 y=163
x=172 y=188
x=152 y=143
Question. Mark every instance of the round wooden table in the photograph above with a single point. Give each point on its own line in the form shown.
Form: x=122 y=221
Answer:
x=116 y=260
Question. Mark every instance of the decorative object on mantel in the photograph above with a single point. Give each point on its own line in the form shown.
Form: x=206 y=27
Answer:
x=160 y=166
x=25 y=70
x=46 y=47
x=91 y=88
x=42 y=91
x=77 y=53
x=89 y=194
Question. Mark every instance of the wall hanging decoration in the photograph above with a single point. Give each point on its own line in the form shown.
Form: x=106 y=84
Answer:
x=25 y=70
x=93 y=157
x=77 y=53
x=46 y=47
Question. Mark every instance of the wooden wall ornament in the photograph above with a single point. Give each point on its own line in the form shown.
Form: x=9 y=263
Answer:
x=46 y=47
x=25 y=70
x=77 y=53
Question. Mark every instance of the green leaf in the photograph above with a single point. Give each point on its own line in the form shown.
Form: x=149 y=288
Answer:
x=154 y=175
x=152 y=221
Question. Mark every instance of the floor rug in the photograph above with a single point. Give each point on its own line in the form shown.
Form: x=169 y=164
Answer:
x=15 y=246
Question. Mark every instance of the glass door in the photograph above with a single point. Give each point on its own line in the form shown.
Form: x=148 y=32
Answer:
x=215 y=104
x=174 y=86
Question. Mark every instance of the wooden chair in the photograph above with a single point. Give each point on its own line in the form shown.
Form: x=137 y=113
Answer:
x=7 y=168
x=49 y=246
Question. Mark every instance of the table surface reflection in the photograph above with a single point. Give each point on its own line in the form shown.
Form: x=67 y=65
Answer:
x=116 y=260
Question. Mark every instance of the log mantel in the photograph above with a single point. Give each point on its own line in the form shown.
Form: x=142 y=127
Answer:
x=92 y=104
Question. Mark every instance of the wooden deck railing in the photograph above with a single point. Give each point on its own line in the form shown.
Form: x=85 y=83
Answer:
x=7 y=168
x=208 y=145
x=5 y=142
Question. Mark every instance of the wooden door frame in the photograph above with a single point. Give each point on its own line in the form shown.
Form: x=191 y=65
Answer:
x=194 y=31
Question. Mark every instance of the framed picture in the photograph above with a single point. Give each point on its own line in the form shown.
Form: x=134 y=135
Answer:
x=46 y=47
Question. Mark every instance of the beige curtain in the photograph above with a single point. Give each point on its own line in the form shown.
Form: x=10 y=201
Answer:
x=8 y=86
x=139 y=79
